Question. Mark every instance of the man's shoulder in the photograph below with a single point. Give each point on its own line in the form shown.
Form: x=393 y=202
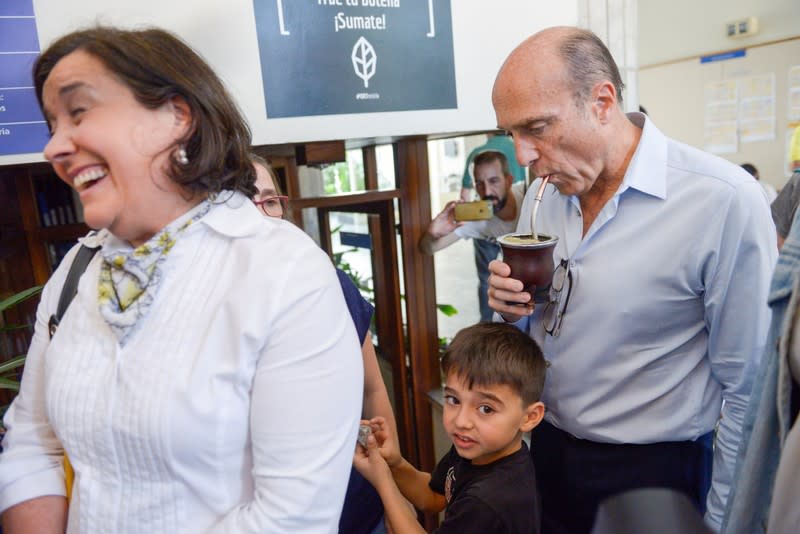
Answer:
x=689 y=160
x=519 y=187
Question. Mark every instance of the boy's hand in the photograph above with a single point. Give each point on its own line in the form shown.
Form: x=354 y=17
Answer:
x=388 y=446
x=369 y=462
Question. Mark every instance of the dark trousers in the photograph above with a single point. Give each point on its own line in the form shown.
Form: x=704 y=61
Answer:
x=575 y=475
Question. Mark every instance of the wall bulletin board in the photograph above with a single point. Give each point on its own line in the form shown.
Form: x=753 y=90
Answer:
x=742 y=106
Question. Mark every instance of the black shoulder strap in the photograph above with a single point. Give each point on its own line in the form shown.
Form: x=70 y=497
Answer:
x=79 y=263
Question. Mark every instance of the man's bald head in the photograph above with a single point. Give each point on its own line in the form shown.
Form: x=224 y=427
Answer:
x=576 y=56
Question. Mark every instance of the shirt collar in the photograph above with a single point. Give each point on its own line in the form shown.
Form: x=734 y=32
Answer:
x=233 y=214
x=647 y=171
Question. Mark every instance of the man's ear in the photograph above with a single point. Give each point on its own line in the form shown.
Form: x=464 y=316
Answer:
x=534 y=413
x=604 y=100
x=183 y=115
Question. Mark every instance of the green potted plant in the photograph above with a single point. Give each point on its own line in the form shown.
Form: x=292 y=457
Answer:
x=11 y=362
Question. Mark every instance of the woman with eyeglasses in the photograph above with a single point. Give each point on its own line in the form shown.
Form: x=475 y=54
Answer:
x=205 y=378
x=363 y=511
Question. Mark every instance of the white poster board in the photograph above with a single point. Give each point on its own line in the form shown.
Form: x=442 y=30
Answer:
x=224 y=33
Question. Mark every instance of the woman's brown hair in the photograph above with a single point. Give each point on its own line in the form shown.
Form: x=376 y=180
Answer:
x=157 y=66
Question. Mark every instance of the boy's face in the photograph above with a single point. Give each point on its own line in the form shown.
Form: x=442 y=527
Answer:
x=485 y=423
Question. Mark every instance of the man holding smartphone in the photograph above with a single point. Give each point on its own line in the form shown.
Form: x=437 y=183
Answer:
x=493 y=183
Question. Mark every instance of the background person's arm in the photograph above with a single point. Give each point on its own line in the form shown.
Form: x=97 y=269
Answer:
x=428 y=244
x=441 y=231
x=376 y=398
x=42 y=515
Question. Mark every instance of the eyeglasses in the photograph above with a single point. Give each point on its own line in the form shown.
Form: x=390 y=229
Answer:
x=554 y=311
x=274 y=205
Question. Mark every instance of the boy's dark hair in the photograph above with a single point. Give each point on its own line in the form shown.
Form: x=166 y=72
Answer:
x=488 y=354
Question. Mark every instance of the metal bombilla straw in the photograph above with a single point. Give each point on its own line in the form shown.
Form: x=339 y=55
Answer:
x=536 y=202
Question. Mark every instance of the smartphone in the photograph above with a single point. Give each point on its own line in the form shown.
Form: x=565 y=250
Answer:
x=480 y=210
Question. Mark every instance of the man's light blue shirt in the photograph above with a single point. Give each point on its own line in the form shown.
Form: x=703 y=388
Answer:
x=668 y=311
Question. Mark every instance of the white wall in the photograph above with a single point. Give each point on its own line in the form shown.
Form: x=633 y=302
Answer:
x=683 y=28
x=674 y=96
x=672 y=79
x=224 y=33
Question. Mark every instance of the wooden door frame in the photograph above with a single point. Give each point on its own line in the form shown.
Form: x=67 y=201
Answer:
x=417 y=372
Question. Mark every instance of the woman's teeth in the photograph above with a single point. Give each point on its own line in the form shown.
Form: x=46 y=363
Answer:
x=88 y=176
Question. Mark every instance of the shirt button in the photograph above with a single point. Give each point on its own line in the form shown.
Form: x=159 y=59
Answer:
x=547 y=363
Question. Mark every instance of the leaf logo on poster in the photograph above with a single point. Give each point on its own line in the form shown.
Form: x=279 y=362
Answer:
x=364 y=60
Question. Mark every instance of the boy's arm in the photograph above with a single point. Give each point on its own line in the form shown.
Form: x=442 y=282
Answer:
x=414 y=485
x=374 y=468
x=396 y=509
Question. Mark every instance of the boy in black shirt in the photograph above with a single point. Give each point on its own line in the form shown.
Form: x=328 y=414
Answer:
x=486 y=483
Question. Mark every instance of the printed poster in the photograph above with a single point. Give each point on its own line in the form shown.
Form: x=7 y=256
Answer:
x=322 y=57
x=721 y=134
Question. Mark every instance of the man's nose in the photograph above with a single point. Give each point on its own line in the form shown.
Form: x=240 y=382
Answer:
x=526 y=151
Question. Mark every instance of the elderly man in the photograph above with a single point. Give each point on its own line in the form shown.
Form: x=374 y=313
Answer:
x=493 y=182
x=657 y=312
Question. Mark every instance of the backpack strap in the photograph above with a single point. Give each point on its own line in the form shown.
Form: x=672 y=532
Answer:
x=70 y=289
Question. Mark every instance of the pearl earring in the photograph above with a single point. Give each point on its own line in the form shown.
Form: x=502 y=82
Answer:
x=182 y=158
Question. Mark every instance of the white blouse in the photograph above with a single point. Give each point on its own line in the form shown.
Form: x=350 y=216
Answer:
x=232 y=408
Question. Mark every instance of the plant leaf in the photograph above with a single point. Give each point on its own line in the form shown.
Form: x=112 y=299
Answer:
x=12 y=327
x=7 y=383
x=13 y=363
x=447 y=309
x=13 y=300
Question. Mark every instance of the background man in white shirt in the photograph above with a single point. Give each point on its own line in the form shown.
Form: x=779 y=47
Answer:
x=662 y=314
x=493 y=182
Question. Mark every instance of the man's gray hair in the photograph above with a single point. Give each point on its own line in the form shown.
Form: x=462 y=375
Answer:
x=589 y=62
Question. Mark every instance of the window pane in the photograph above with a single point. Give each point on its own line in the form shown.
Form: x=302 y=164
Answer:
x=344 y=176
x=384 y=154
x=456 y=275
x=349 y=239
